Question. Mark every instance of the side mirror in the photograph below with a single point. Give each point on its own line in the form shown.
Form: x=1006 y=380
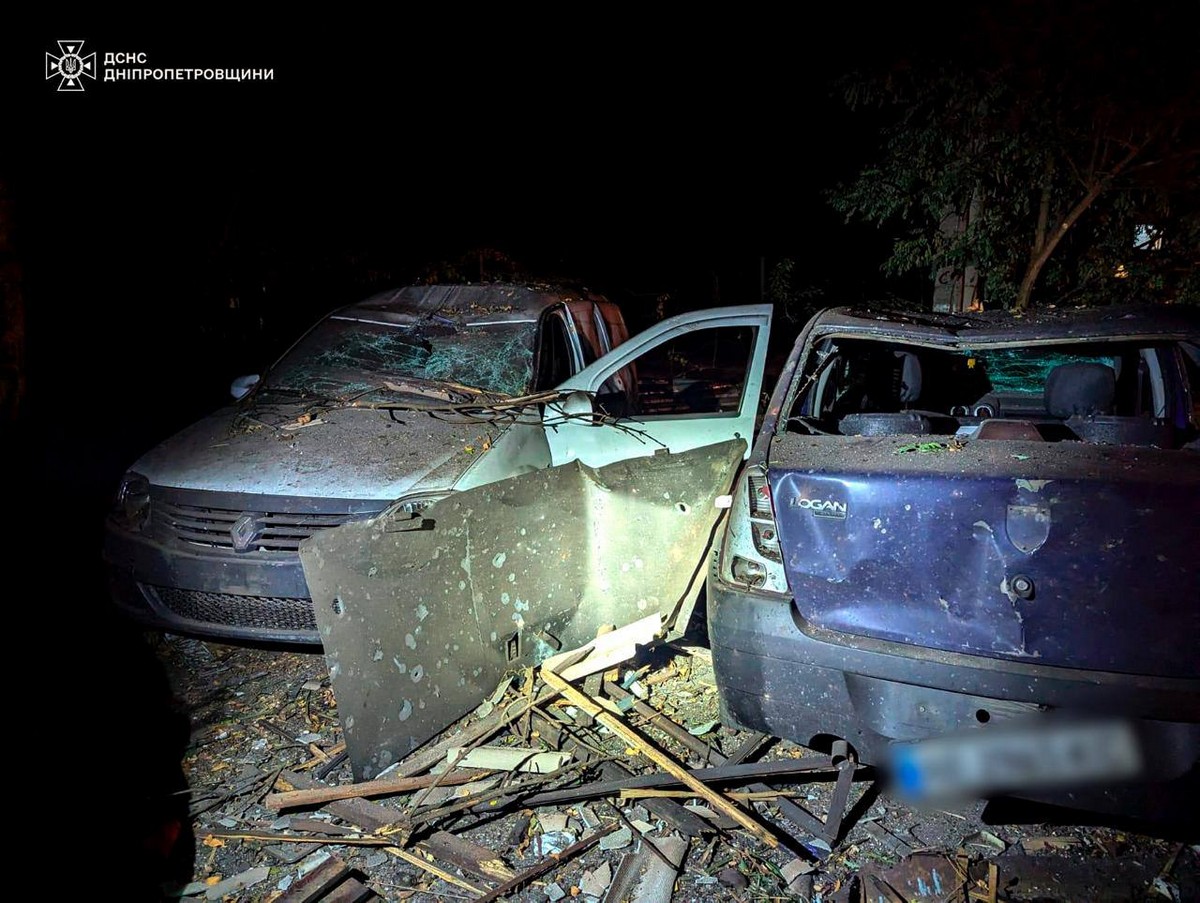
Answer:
x=241 y=385
x=578 y=404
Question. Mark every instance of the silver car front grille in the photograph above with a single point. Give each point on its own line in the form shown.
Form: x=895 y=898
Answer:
x=222 y=528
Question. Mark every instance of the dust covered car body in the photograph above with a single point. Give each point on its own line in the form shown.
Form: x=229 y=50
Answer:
x=205 y=534
x=968 y=547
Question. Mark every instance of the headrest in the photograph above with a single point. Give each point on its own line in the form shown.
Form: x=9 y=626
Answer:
x=1080 y=388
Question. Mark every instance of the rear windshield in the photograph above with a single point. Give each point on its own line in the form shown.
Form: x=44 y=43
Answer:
x=857 y=386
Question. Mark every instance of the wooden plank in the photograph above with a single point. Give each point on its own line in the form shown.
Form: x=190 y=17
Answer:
x=686 y=822
x=752 y=796
x=658 y=757
x=367 y=815
x=470 y=857
x=349 y=891
x=606 y=650
x=291 y=799
x=316 y=883
x=732 y=774
x=316 y=826
x=838 y=800
x=421 y=863
x=790 y=810
x=321 y=756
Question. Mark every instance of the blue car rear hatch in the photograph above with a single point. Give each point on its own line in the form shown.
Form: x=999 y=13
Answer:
x=1063 y=553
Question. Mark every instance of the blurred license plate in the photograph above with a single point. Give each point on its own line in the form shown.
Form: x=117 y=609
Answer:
x=1009 y=759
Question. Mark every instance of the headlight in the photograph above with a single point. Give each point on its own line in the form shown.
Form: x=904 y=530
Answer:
x=132 y=504
x=412 y=506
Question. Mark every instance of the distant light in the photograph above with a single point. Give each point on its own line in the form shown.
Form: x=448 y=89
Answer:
x=1147 y=237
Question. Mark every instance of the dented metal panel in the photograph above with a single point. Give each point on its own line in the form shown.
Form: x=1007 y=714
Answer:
x=1064 y=553
x=421 y=617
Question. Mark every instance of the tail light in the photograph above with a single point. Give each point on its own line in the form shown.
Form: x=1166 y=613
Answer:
x=751 y=554
x=762 y=516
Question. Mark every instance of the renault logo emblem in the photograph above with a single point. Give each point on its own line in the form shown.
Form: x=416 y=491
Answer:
x=245 y=531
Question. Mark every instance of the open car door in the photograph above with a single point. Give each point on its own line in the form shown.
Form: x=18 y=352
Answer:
x=689 y=381
x=421 y=617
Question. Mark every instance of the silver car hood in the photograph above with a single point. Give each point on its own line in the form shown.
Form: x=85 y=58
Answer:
x=353 y=454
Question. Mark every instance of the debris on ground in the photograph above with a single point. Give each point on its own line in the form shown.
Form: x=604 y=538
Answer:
x=628 y=800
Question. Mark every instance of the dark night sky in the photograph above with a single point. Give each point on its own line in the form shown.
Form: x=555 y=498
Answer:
x=637 y=161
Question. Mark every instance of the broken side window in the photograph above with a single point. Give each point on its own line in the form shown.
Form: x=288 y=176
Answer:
x=554 y=353
x=699 y=372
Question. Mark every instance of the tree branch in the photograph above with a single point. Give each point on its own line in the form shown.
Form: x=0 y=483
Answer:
x=1025 y=292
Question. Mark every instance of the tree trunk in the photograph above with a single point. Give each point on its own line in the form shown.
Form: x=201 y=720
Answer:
x=1025 y=292
x=1050 y=241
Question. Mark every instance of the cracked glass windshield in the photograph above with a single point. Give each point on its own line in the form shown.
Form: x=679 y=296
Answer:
x=347 y=355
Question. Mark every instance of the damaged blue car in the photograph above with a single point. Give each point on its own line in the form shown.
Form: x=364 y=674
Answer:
x=968 y=547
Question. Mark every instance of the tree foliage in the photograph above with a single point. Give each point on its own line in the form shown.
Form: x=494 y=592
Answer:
x=1056 y=130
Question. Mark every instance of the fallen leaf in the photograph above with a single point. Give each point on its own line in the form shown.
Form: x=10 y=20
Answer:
x=212 y=879
x=213 y=842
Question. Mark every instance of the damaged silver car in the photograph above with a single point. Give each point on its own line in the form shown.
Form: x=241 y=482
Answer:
x=204 y=534
x=391 y=405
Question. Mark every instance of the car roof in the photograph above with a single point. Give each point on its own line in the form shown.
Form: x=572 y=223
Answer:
x=1066 y=324
x=463 y=304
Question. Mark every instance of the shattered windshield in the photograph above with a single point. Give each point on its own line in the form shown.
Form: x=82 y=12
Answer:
x=1026 y=370
x=868 y=386
x=345 y=355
